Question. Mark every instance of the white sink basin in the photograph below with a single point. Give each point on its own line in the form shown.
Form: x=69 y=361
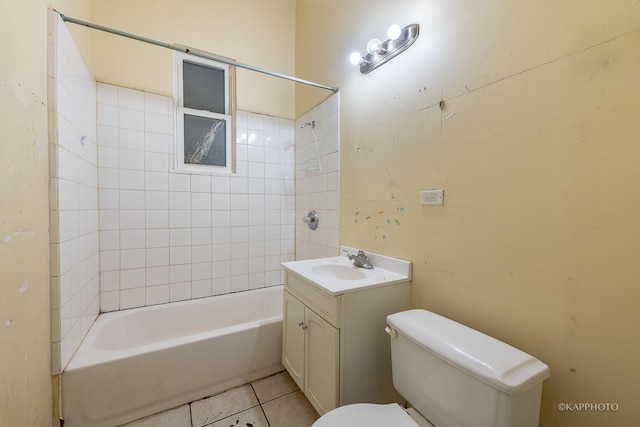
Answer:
x=339 y=271
x=338 y=275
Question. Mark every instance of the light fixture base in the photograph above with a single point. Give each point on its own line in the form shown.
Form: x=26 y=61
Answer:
x=390 y=48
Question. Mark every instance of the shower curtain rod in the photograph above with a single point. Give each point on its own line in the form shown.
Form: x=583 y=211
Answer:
x=194 y=52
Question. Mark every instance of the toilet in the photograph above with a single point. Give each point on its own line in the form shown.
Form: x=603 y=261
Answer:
x=451 y=376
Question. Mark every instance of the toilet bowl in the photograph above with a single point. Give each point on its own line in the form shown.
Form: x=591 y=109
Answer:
x=370 y=415
x=453 y=376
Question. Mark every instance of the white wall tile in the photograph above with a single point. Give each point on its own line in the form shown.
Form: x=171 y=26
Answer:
x=109 y=301
x=157 y=275
x=107 y=115
x=132 y=259
x=131 y=159
x=180 y=291
x=107 y=157
x=156 y=123
x=130 y=298
x=201 y=236
x=157 y=257
x=221 y=285
x=201 y=253
x=181 y=235
x=221 y=202
x=132 y=219
x=108 y=178
x=179 y=273
x=109 y=260
x=220 y=235
x=157 y=162
x=132 y=278
x=200 y=219
x=200 y=271
x=131 y=99
x=109 y=281
x=132 y=199
x=156 y=181
x=156 y=104
x=157 y=143
x=157 y=294
x=179 y=182
x=132 y=239
x=74 y=198
x=157 y=200
x=180 y=255
x=131 y=179
x=130 y=139
x=314 y=190
x=179 y=218
x=201 y=288
x=157 y=238
x=179 y=200
x=108 y=136
x=107 y=94
x=109 y=240
x=200 y=183
x=157 y=219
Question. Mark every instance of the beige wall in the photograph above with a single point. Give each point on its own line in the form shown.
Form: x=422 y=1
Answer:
x=259 y=33
x=25 y=395
x=537 y=151
x=545 y=117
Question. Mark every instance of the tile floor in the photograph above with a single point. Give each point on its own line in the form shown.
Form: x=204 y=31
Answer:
x=274 y=401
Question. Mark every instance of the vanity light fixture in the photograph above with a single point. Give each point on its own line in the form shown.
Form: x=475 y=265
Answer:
x=379 y=52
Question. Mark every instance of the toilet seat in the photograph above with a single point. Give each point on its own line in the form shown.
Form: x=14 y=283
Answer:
x=366 y=415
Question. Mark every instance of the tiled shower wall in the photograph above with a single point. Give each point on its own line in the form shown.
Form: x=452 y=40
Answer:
x=128 y=231
x=168 y=236
x=318 y=188
x=73 y=190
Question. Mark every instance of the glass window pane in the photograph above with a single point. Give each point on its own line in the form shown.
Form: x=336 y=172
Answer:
x=204 y=141
x=203 y=87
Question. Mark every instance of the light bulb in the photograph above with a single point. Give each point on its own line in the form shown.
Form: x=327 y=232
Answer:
x=355 y=58
x=374 y=46
x=394 y=32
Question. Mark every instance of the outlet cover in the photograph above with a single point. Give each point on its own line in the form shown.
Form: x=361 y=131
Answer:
x=432 y=197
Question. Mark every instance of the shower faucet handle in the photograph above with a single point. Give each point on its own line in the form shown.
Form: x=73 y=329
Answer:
x=311 y=220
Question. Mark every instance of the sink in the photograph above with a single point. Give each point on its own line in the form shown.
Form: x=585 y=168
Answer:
x=337 y=275
x=339 y=271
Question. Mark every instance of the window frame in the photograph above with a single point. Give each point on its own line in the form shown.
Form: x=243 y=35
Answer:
x=180 y=111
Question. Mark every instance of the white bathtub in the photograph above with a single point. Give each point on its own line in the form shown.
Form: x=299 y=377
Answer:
x=137 y=362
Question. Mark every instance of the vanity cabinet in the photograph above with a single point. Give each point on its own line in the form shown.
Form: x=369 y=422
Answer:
x=311 y=355
x=335 y=347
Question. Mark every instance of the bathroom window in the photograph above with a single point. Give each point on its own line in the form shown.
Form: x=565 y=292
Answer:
x=204 y=119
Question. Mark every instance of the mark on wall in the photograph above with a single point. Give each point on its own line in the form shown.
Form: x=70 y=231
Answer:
x=378 y=223
x=18 y=94
x=24 y=286
x=20 y=230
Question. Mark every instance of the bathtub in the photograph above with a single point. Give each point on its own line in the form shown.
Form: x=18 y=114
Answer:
x=138 y=362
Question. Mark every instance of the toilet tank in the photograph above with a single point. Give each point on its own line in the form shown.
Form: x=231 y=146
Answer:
x=456 y=376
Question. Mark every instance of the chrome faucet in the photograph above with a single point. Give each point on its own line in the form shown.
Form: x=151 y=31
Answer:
x=360 y=260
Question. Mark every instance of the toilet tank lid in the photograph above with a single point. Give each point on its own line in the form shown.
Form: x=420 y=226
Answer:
x=486 y=358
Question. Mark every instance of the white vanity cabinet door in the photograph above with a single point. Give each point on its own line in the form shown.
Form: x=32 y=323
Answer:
x=310 y=353
x=335 y=346
x=322 y=363
x=293 y=338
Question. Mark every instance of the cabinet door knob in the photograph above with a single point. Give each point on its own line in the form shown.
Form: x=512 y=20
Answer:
x=302 y=325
